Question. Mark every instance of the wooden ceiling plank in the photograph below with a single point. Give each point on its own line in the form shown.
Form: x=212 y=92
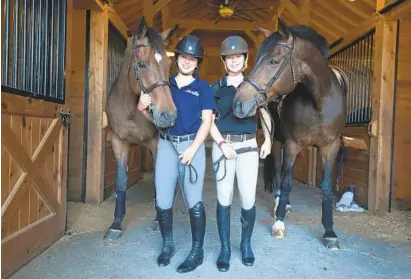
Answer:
x=327 y=21
x=354 y=9
x=210 y=25
x=332 y=7
x=331 y=36
x=321 y=11
x=124 y=6
x=186 y=32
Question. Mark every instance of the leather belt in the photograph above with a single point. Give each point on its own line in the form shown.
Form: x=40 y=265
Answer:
x=238 y=138
x=178 y=139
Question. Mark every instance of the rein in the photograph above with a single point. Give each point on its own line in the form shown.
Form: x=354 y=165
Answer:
x=216 y=164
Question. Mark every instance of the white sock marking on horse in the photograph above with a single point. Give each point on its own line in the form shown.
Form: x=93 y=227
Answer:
x=278 y=225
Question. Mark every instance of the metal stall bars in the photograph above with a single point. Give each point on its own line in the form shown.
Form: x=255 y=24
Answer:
x=34 y=40
x=356 y=60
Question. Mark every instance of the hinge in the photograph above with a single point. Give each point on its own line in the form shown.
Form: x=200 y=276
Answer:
x=65 y=117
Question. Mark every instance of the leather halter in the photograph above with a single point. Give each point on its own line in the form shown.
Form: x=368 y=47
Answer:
x=261 y=97
x=139 y=66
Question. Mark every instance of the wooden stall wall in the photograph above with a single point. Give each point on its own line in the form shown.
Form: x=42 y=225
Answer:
x=401 y=195
x=34 y=139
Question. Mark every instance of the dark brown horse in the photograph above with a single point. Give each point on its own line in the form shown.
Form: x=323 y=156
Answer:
x=145 y=70
x=291 y=60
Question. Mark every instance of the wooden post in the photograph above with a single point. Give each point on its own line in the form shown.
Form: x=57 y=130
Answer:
x=382 y=115
x=97 y=99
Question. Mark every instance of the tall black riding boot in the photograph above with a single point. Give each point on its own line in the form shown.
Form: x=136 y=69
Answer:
x=165 y=219
x=223 y=224
x=198 y=222
x=247 y=223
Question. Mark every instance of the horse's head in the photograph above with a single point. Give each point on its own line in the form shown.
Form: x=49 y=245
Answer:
x=149 y=72
x=276 y=72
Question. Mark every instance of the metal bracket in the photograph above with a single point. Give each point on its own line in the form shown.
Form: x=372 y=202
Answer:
x=65 y=117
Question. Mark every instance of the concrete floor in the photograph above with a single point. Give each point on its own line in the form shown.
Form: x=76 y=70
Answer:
x=371 y=246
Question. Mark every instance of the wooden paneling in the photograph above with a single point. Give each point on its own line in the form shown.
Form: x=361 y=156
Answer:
x=134 y=173
x=402 y=138
x=76 y=103
x=33 y=179
x=356 y=165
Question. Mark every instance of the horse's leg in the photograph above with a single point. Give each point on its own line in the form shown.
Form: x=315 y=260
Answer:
x=291 y=151
x=277 y=170
x=328 y=156
x=120 y=149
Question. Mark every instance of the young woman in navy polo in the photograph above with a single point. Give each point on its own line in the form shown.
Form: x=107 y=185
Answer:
x=195 y=104
x=231 y=133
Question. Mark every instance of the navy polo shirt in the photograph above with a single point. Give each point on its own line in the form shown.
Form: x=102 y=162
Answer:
x=228 y=123
x=190 y=100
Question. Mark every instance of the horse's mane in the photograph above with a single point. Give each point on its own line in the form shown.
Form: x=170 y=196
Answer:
x=299 y=31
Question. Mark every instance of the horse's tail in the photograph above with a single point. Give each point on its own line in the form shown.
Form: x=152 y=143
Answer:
x=341 y=76
x=269 y=173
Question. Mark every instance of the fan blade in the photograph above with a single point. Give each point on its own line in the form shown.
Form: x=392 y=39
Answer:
x=253 y=9
x=243 y=17
x=217 y=19
x=208 y=3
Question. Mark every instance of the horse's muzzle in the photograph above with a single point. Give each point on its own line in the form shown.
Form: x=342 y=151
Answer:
x=164 y=119
x=242 y=109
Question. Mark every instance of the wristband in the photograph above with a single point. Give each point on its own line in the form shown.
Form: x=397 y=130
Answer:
x=221 y=143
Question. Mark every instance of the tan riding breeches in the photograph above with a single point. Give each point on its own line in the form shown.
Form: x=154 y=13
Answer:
x=244 y=167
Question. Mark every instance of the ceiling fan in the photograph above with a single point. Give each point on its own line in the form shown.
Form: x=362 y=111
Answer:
x=228 y=9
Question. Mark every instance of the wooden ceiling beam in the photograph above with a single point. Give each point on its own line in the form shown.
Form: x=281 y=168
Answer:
x=118 y=22
x=354 y=9
x=222 y=25
x=158 y=6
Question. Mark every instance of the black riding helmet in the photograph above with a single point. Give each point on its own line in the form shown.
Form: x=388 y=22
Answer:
x=191 y=45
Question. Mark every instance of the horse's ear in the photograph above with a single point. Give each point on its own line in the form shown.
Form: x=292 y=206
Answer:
x=168 y=33
x=283 y=30
x=142 y=28
x=266 y=33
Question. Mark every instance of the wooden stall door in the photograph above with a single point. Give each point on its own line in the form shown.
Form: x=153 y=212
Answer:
x=33 y=179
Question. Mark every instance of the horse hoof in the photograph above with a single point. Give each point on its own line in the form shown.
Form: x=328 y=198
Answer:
x=331 y=244
x=113 y=234
x=278 y=233
x=288 y=208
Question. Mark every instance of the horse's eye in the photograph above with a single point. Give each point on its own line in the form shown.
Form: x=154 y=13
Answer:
x=273 y=62
x=142 y=65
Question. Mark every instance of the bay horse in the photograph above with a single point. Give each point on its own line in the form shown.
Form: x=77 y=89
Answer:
x=290 y=60
x=145 y=70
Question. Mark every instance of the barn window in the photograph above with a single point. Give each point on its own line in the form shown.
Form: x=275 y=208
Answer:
x=116 y=47
x=33 y=48
x=356 y=60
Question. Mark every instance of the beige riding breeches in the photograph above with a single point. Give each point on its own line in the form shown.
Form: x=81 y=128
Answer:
x=244 y=167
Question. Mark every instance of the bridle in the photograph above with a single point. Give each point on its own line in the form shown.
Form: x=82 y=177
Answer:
x=139 y=66
x=261 y=97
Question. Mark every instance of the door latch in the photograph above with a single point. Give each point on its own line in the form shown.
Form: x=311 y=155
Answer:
x=65 y=117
